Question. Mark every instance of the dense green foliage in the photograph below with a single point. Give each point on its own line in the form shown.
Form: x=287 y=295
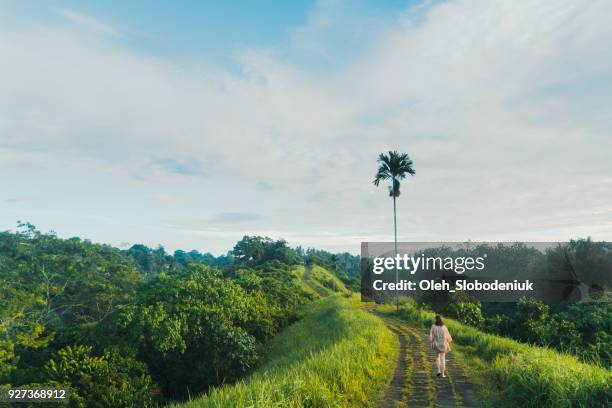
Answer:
x=151 y=262
x=253 y=251
x=464 y=308
x=49 y=287
x=138 y=327
x=337 y=355
x=193 y=256
x=109 y=380
x=344 y=262
x=583 y=328
x=190 y=329
x=517 y=374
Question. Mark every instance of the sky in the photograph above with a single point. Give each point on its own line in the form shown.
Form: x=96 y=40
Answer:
x=191 y=124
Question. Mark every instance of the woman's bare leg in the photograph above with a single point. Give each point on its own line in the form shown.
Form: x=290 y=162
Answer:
x=442 y=363
x=438 y=362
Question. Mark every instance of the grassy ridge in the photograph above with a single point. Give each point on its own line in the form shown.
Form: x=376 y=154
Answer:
x=299 y=272
x=336 y=355
x=324 y=281
x=318 y=280
x=523 y=375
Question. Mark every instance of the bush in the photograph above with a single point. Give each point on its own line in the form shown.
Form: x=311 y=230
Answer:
x=530 y=321
x=279 y=296
x=189 y=330
x=110 y=380
x=498 y=324
x=585 y=329
x=465 y=308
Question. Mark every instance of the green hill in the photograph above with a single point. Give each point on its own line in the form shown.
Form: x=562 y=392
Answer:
x=336 y=355
x=317 y=279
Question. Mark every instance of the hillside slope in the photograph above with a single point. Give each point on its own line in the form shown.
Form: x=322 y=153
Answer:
x=336 y=355
x=317 y=279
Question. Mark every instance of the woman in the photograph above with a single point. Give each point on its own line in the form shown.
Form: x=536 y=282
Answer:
x=440 y=340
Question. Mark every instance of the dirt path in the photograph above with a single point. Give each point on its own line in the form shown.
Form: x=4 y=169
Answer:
x=305 y=277
x=396 y=391
x=414 y=382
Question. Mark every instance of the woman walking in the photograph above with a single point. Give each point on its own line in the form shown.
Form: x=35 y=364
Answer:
x=440 y=339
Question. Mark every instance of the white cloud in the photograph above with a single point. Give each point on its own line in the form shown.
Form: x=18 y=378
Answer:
x=503 y=106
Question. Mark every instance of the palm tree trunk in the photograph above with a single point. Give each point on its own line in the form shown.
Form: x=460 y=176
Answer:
x=395 y=235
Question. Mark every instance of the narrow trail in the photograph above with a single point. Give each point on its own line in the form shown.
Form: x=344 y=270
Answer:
x=414 y=382
x=396 y=390
x=306 y=281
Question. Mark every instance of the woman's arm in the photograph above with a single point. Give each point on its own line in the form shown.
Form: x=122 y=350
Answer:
x=447 y=333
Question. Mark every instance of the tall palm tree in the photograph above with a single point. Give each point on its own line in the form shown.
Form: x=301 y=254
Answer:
x=394 y=166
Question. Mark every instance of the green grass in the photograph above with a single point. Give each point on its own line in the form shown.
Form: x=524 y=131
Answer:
x=324 y=281
x=335 y=356
x=518 y=374
x=319 y=280
x=299 y=272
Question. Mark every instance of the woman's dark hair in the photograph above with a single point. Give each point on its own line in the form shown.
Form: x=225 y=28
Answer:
x=439 y=320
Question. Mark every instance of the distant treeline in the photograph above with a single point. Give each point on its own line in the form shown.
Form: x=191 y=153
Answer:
x=151 y=261
x=140 y=327
x=344 y=262
x=251 y=250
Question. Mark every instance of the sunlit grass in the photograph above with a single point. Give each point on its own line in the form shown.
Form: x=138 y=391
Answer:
x=519 y=374
x=319 y=281
x=335 y=356
x=299 y=271
x=324 y=281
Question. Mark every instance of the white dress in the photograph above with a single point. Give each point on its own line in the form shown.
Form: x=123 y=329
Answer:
x=440 y=339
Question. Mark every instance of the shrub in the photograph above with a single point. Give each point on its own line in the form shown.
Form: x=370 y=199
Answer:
x=189 y=330
x=530 y=321
x=464 y=308
x=110 y=380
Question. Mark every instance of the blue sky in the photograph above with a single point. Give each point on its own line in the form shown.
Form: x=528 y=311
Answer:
x=210 y=30
x=190 y=124
x=181 y=28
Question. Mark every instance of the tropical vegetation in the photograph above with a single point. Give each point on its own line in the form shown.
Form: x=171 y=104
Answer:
x=140 y=327
x=336 y=356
